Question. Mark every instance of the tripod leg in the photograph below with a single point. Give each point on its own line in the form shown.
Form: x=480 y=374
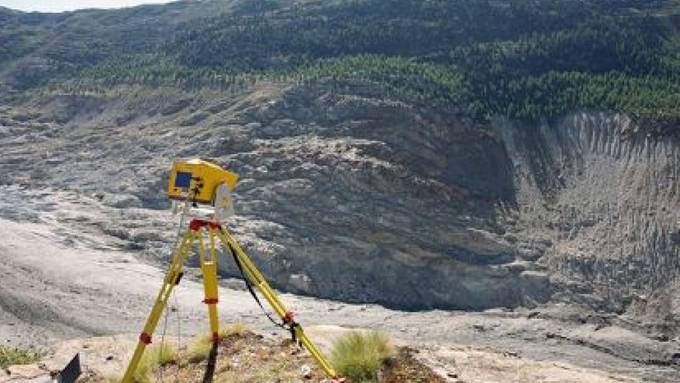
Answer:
x=209 y=269
x=171 y=280
x=257 y=279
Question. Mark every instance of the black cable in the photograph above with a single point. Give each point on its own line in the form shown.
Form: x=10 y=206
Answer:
x=252 y=292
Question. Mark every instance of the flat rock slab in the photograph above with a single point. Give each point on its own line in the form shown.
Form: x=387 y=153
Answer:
x=473 y=365
x=25 y=373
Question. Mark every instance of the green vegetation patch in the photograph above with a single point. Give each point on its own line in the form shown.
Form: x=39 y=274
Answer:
x=358 y=355
x=10 y=356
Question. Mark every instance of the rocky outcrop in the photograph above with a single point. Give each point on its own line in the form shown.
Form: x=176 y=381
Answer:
x=350 y=195
x=371 y=200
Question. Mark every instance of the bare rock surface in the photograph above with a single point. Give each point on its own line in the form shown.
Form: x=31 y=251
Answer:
x=330 y=181
x=489 y=366
x=599 y=209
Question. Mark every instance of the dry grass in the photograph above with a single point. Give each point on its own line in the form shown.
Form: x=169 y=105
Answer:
x=10 y=356
x=282 y=371
x=358 y=355
x=154 y=357
x=246 y=357
x=200 y=348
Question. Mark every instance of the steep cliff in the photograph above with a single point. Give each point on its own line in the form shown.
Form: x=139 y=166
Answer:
x=598 y=206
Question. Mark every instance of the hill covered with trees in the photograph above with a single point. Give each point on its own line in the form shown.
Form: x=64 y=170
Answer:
x=522 y=59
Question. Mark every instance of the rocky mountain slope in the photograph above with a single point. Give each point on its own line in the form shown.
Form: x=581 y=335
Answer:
x=347 y=194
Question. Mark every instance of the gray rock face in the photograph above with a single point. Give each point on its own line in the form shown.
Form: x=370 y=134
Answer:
x=348 y=195
x=598 y=205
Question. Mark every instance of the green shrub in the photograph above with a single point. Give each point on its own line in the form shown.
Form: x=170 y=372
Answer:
x=358 y=356
x=10 y=356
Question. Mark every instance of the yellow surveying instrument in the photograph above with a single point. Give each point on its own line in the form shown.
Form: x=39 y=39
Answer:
x=193 y=182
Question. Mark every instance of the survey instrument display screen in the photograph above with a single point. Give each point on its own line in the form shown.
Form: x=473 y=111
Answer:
x=183 y=180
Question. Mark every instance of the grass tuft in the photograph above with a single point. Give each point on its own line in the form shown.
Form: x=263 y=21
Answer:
x=199 y=349
x=154 y=357
x=358 y=356
x=10 y=356
x=162 y=355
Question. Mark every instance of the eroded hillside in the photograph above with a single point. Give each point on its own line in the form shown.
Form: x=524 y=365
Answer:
x=350 y=195
x=599 y=201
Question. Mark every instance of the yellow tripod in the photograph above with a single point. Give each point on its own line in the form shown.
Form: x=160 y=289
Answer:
x=209 y=268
